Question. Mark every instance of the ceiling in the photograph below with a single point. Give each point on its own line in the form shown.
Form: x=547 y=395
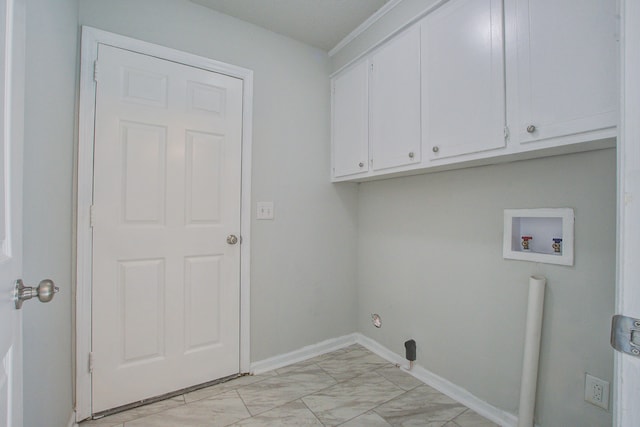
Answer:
x=320 y=23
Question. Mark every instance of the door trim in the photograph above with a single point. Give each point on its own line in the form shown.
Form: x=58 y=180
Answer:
x=91 y=38
x=626 y=376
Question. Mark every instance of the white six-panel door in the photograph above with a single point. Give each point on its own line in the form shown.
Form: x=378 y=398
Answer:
x=167 y=176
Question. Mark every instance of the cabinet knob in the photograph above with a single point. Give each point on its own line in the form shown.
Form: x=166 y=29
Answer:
x=435 y=149
x=411 y=155
x=531 y=128
x=361 y=164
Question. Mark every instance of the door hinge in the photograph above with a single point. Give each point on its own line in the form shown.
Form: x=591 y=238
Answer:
x=92 y=215
x=371 y=65
x=95 y=70
x=506 y=133
x=91 y=363
x=625 y=334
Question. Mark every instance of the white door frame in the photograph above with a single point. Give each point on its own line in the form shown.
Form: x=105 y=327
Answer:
x=626 y=391
x=91 y=38
x=12 y=81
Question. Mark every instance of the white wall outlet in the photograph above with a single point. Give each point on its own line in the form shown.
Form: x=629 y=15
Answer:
x=265 y=210
x=596 y=391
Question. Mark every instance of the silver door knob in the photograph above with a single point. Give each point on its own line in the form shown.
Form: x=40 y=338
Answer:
x=435 y=149
x=232 y=239
x=45 y=292
x=531 y=128
x=411 y=155
x=361 y=164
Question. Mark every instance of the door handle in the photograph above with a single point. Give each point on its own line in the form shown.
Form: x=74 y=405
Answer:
x=45 y=292
x=232 y=239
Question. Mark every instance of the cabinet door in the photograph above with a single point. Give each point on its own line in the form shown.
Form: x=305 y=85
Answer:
x=350 y=135
x=463 y=102
x=395 y=102
x=566 y=67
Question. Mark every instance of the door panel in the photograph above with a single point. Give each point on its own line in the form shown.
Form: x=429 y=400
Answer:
x=166 y=285
x=566 y=67
x=204 y=169
x=394 y=117
x=144 y=173
x=350 y=121
x=463 y=104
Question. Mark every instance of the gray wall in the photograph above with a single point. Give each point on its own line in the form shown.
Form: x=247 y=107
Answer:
x=50 y=97
x=303 y=262
x=430 y=263
x=427 y=248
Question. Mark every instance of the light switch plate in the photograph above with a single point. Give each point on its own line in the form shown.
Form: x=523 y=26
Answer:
x=265 y=210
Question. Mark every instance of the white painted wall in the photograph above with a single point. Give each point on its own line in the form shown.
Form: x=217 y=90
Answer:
x=51 y=70
x=303 y=262
x=466 y=311
x=434 y=271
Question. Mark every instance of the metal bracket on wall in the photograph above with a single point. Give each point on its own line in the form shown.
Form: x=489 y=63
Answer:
x=625 y=334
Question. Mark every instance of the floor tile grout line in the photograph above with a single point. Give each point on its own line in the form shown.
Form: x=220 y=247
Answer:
x=314 y=414
x=286 y=403
x=245 y=405
x=372 y=409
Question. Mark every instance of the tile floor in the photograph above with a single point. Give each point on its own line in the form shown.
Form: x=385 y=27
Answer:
x=351 y=387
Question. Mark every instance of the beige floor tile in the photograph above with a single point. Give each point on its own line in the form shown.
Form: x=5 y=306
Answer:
x=399 y=377
x=281 y=389
x=218 y=411
x=370 y=419
x=351 y=398
x=352 y=363
x=294 y=414
x=420 y=406
x=234 y=384
x=472 y=419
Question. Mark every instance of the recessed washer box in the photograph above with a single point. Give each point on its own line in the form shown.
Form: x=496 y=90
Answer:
x=539 y=235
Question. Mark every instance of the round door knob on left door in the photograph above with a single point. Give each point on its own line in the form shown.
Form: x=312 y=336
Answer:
x=45 y=291
x=232 y=239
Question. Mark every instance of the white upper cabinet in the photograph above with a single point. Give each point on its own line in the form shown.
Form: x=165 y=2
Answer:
x=478 y=82
x=394 y=116
x=463 y=96
x=350 y=132
x=563 y=64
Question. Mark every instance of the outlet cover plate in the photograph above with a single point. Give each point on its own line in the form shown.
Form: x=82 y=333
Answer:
x=596 y=391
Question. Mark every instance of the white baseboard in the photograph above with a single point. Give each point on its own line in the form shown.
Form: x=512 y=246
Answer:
x=444 y=386
x=304 y=353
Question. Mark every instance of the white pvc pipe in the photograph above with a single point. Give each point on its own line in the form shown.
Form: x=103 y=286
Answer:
x=531 y=351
